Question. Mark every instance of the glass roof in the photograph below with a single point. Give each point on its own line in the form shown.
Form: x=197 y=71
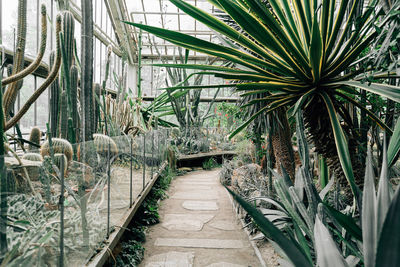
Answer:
x=163 y=14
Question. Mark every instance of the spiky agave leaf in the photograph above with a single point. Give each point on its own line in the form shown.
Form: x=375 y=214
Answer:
x=295 y=50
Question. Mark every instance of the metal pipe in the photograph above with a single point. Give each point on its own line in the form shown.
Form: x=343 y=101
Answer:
x=61 y=205
x=108 y=189
x=144 y=160
x=131 y=182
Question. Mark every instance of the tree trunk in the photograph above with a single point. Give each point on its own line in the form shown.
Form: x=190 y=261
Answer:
x=282 y=143
x=317 y=122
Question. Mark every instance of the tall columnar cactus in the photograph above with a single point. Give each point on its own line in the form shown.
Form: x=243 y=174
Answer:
x=34 y=138
x=54 y=101
x=97 y=95
x=68 y=31
x=11 y=92
x=87 y=69
x=50 y=78
x=73 y=76
x=64 y=116
x=42 y=48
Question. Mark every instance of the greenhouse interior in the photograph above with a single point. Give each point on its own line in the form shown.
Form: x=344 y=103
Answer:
x=207 y=133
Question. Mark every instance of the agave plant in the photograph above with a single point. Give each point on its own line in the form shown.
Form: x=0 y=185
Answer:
x=318 y=233
x=305 y=55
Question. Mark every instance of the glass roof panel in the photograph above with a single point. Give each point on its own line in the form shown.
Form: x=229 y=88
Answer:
x=163 y=14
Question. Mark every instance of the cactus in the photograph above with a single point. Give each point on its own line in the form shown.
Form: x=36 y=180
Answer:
x=12 y=90
x=102 y=142
x=58 y=157
x=64 y=116
x=97 y=119
x=54 y=101
x=59 y=146
x=50 y=78
x=73 y=75
x=87 y=68
x=42 y=48
x=34 y=137
x=32 y=157
x=68 y=32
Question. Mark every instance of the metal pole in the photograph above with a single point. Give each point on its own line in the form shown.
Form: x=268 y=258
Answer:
x=108 y=189
x=152 y=154
x=61 y=204
x=130 y=185
x=144 y=161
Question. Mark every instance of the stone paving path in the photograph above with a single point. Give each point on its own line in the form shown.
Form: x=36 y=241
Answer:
x=198 y=227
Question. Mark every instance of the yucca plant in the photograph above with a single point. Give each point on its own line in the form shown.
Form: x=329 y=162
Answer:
x=305 y=55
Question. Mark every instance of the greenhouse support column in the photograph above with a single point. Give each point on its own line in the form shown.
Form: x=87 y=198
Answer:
x=131 y=182
x=144 y=161
x=61 y=203
x=152 y=154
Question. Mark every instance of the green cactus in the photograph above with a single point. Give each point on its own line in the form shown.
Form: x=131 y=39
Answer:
x=97 y=118
x=64 y=116
x=59 y=146
x=102 y=142
x=68 y=33
x=54 y=101
x=34 y=137
x=58 y=157
x=32 y=157
x=87 y=68
x=36 y=63
x=12 y=90
x=73 y=76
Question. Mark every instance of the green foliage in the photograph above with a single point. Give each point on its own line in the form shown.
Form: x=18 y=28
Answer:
x=210 y=164
x=132 y=254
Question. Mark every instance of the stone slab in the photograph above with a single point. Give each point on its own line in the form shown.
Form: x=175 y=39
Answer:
x=183 y=224
x=187 y=187
x=204 y=218
x=225 y=264
x=224 y=225
x=198 y=195
x=172 y=259
x=199 y=243
x=200 y=205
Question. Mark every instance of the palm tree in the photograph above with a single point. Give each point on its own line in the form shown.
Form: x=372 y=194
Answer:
x=307 y=57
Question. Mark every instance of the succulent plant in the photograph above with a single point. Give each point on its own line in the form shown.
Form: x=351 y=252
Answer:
x=58 y=157
x=64 y=115
x=54 y=100
x=34 y=137
x=103 y=142
x=32 y=157
x=59 y=146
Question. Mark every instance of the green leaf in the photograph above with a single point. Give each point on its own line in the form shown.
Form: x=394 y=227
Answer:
x=394 y=145
x=389 y=241
x=46 y=238
x=347 y=222
x=369 y=215
x=316 y=51
x=342 y=147
x=291 y=248
x=385 y=90
x=383 y=199
x=328 y=254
